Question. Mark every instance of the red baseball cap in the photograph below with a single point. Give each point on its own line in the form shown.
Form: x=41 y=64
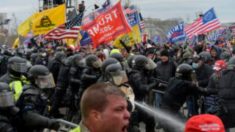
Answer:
x=204 y=123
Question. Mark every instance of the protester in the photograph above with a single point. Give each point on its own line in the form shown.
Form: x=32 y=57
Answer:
x=227 y=96
x=103 y=109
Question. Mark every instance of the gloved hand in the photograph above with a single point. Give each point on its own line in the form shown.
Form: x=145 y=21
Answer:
x=53 y=124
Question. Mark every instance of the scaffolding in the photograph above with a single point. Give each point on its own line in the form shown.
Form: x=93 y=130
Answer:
x=47 y=4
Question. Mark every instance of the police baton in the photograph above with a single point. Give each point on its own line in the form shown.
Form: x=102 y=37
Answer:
x=158 y=91
x=70 y=124
x=161 y=81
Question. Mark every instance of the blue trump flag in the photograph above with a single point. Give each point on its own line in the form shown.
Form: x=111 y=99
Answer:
x=133 y=18
x=176 y=33
x=209 y=16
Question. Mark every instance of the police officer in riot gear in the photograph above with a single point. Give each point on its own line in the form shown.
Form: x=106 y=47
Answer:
x=17 y=67
x=92 y=72
x=178 y=89
x=114 y=74
x=142 y=84
x=4 y=56
x=73 y=96
x=36 y=96
x=12 y=119
x=55 y=64
x=61 y=86
x=6 y=108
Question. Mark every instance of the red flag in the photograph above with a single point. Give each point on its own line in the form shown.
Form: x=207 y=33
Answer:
x=107 y=25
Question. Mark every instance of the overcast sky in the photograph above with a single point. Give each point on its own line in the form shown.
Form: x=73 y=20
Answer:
x=163 y=9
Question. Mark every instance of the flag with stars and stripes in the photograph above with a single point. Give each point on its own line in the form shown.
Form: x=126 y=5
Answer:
x=69 y=30
x=208 y=22
x=141 y=23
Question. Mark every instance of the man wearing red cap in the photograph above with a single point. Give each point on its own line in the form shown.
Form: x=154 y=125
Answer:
x=212 y=102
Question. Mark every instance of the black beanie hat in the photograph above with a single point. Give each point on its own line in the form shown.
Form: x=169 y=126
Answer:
x=164 y=53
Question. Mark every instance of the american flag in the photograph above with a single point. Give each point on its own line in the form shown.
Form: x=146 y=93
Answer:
x=141 y=23
x=69 y=30
x=204 y=24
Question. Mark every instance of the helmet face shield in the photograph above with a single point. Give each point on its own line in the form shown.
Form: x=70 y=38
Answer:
x=119 y=77
x=45 y=81
x=97 y=63
x=150 y=65
x=6 y=99
x=19 y=67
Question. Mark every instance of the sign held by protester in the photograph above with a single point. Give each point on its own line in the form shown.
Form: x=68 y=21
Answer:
x=108 y=25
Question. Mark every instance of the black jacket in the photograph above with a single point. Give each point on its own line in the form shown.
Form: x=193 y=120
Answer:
x=34 y=99
x=141 y=84
x=166 y=70
x=226 y=92
x=203 y=74
x=5 y=124
x=176 y=94
x=54 y=67
x=89 y=76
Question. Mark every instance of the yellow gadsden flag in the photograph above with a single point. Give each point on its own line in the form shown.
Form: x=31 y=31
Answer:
x=16 y=43
x=46 y=20
x=129 y=39
x=25 y=27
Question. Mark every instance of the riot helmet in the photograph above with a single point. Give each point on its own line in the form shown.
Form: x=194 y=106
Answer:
x=17 y=66
x=93 y=61
x=6 y=96
x=129 y=61
x=142 y=62
x=41 y=77
x=184 y=71
x=115 y=74
x=108 y=62
x=59 y=56
x=77 y=60
x=117 y=56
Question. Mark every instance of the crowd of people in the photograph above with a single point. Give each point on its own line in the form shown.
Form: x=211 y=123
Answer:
x=97 y=88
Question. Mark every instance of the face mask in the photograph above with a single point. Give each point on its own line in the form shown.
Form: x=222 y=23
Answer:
x=195 y=65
